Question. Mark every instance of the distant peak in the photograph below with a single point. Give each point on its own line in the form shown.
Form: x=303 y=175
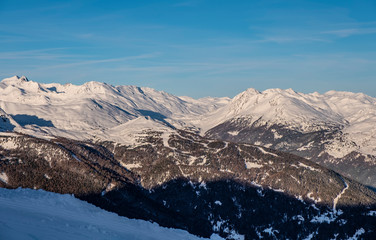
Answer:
x=23 y=78
x=252 y=91
x=15 y=79
x=273 y=90
x=290 y=90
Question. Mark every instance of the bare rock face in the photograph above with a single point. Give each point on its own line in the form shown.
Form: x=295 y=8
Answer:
x=205 y=186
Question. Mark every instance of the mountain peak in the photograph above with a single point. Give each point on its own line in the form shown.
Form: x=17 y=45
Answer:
x=252 y=91
x=15 y=79
x=23 y=78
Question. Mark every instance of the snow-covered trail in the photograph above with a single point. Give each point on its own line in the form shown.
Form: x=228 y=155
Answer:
x=266 y=152
x=335 y=200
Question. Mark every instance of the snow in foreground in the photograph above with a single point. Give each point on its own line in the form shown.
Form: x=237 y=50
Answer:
x=37 y=214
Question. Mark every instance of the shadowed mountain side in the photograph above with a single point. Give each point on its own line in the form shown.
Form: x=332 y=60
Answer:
x=232 y=209
x=313 y=145
x=7 y=123
x=24 y=119
x=155 y=116
x=161 y=157
x=227 y=204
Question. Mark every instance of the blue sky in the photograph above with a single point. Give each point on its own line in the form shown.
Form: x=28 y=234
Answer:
x=194 y=48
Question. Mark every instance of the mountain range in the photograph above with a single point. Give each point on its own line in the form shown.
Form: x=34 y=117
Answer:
x=272 y=164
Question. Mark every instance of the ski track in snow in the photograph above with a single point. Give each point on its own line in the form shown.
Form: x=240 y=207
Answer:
x=335 y=200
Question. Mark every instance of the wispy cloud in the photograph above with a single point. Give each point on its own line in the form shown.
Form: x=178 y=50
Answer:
x=97 y=61
x=350 y=31
x=39 y=54
x=284 y=39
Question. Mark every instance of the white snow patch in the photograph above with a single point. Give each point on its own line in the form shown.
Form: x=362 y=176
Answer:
x=357 y=234
x=295 y=179
x=217 y=225
x=202 y=185
x=372 y=213
x=271 y=231
x=233 y=133
x=278 y=190
x=191 y=160
x=276 y=134
x=9 y=134
x=256 y=184
x=166 y=137
x=266 y=152
x=130 y=165
x=310 y=196
x=306 y=147
x=310 y=236
x=236 y=236
x=327 y=217
x=9 y=144
x=110 y=186
x=250 y=165
x=308 y=167
x=298 y=217
x=4 y=177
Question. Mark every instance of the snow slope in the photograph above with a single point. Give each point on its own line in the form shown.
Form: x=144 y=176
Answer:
x=37 y=214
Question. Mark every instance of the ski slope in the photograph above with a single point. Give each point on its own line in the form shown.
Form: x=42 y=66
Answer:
x=37 y=214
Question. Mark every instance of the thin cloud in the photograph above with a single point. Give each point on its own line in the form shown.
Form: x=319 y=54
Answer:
x=350 y=32
x=282 y=39
x=92 y=62
x=42 y=54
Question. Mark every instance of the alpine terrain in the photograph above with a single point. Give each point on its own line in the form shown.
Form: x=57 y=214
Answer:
x=274 y=165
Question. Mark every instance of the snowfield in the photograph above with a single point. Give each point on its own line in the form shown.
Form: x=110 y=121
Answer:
x=37 y=214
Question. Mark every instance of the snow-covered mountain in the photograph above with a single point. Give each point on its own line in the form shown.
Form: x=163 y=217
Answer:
x=336 y=129
x=97 y=108
x=148 y=154
x=37 y=214
x=93 y=108
x=353 y=113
